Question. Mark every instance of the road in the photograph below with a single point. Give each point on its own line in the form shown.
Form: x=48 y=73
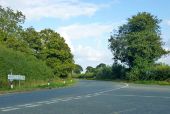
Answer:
x=90 y=97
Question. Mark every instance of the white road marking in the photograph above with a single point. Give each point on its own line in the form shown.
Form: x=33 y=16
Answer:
x=145 y=96
x=50 y=102
x=6 y=107
x=31 y=105
x=24 y=105
x=10 y=109
x=127 y=110
x=87 y=96
x=78 y=97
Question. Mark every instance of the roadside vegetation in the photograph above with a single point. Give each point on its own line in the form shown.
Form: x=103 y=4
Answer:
x=46 y=59
x=42 y=56
x=136 y=47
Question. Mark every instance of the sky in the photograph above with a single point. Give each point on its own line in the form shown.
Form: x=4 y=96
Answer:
x=87 y=25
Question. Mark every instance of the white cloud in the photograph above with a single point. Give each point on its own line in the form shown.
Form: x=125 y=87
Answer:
x=93 y=30
x=165 y=59
x=95 y=54
x=168 y=22
x=89 y=53
x=62 y=9
x=86 y=55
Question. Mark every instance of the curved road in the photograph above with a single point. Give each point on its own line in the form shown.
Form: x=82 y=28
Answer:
x=90 y=97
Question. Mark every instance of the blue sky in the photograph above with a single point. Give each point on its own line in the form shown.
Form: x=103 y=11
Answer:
x=87 y=24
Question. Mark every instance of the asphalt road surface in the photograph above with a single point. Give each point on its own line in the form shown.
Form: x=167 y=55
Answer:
x=90 y=97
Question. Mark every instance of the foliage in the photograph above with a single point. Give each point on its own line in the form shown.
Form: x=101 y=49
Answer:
x=33 y=40
x=104 y=73
x=138 y=44
x=10 y=22
x=90 y=69
x=77 y=69
x=23 y=64
x=11 y=29
x=101 y=65
x=46 y=45
x=56 y=53
x=118 y=71
x=158 y=72
x=40 y=56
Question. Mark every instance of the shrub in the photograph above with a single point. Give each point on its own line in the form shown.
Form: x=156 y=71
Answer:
x=118 y=71
x=23 y=64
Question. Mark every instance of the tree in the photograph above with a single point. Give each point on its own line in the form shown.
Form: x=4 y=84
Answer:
x=10 y=22
x=118 y=71
x=56 y=53
x=78 y=69
x=138 y=40
x=90 y=69
x=11 y=29
x=33 y=40
x=101 y=65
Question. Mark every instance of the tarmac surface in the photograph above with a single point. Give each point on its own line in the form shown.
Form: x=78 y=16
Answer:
x=90 y=97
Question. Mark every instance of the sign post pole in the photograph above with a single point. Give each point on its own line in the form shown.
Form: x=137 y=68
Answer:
x=19 y=84
x=12 y=77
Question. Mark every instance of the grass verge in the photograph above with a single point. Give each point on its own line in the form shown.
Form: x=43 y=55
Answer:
x=146 y=82
x=37 y=85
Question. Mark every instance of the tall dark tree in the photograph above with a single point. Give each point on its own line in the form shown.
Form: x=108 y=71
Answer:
x=138 y=43
x=101 y=65
x=90 y=69
x=78 y=69
x=56 y=53
x=33 y=40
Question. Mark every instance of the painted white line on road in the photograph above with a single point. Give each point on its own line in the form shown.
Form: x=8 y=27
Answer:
x=144 y=96
x=87 y=96
x=127 y=110
x=77 y=97
x=24 y=105
x=43 y=102
x=10 y=109
x=31 y=105
x=51 y=102
x=6 y=107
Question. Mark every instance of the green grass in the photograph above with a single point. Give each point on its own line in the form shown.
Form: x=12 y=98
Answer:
x=153 y=82
x=23 y=64
x=36 y=85
x=146 y=82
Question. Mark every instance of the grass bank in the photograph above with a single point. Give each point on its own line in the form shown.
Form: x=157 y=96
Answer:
x=37 y=85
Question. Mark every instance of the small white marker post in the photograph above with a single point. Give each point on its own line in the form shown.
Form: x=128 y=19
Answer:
x=12 y=86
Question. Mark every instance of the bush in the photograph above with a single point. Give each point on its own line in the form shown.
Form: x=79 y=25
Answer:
x=104 y=73
x=23 y=64
x=118 y=71
x=133 y=74
x=159 y=72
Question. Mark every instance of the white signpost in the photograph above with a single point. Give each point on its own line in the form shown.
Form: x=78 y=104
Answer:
x=12 y=77
x=16 y=77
